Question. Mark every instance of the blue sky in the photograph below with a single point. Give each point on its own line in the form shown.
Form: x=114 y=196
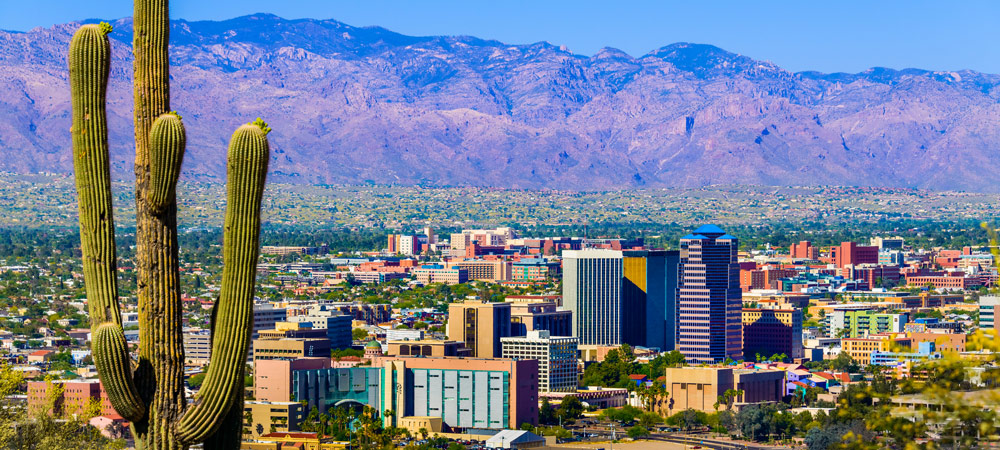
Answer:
x=829 y=36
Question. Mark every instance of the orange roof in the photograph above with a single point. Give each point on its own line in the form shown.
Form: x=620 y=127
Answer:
x=40 y=352
x=637 y=376
x=291 y=435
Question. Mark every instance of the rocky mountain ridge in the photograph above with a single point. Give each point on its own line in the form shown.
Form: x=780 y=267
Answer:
x=355 y=105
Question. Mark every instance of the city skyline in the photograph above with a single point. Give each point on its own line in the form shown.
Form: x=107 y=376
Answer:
x=483 y=241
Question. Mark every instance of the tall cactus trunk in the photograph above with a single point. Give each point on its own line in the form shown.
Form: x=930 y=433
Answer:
x=151 y=395
x=160 y=376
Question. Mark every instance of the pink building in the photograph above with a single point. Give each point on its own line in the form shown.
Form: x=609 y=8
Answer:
x=272 y=379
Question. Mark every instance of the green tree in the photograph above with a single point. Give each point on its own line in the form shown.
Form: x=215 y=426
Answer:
x=570 y=409
x=546 y=413
x=194 y=381
x=638 y=432
x=359 y=334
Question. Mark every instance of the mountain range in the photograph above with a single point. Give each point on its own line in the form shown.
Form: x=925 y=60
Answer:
x=352 y=105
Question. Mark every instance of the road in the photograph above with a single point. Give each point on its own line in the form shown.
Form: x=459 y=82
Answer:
x=707 y=443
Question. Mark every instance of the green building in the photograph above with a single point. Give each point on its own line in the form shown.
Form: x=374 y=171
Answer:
x=855 y=323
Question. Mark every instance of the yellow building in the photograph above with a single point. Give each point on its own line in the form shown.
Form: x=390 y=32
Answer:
x=261 y=418
x=861 y=349
x=298 y=441
x=414 y=424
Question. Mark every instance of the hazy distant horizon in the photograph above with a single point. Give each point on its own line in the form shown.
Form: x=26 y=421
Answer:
x=849 y=36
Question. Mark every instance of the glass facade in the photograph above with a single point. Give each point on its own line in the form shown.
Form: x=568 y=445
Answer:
x=709 y=298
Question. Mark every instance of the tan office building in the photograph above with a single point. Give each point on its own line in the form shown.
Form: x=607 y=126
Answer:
x=493 y=271
x=428 y=348
x=260 y=418
x=540 y=316
x=700 y=387
x=480 y=325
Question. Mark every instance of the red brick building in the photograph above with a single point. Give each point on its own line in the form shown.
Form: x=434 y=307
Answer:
x=958 y=280
x=850 y=253
x=873 y=274
x=766 y=278
x=804 y=250
x=75 y=397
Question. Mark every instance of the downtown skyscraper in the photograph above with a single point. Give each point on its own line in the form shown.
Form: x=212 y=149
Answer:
x=592 y=289
x=622 y=297
x=709 y=299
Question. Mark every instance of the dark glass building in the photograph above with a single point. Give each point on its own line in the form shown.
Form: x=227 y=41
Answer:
x=649 y=293
x=709 y=299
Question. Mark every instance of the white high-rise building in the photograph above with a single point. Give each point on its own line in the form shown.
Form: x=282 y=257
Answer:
x=556 y=355
x=409 y=245
x=592 y=289
x=988 y=307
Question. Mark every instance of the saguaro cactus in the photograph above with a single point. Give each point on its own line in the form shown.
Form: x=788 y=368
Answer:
x=150 y=391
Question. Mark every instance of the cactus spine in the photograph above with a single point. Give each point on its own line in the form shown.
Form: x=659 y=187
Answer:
x=151 y=393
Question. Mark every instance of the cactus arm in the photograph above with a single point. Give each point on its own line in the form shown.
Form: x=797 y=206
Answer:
x=115 y=369
x=89 y=66
x=229 y=436
x=90 y=63
x=247 y=172
x=167 y=141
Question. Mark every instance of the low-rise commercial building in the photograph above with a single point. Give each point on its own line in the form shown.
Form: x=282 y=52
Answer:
x=700 y=387
x=861 y=349
x=371 y=314
x=260 y=418
x=493 y=271
x=925 y=351
x=855 y=323
x=438 y=274
x=365 y=277
x=945 y=282
x=536 y=269
x=75 y=397
x=427 y=347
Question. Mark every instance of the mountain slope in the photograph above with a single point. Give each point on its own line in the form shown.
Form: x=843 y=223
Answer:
x=352 y=105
